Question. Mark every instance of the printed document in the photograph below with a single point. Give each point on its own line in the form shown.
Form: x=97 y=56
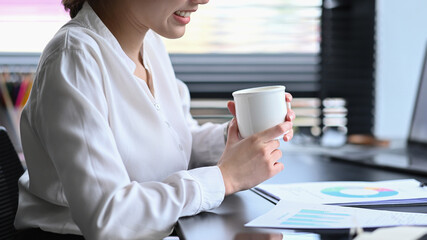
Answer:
x=295 y=215
x=349 y=193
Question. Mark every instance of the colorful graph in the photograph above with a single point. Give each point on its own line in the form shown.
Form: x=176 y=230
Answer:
x=359 y=192
x=315 y=218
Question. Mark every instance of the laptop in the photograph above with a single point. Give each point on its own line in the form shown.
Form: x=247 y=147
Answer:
x=411 y=156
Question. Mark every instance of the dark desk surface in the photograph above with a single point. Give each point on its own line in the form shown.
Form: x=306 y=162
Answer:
x=227 y=221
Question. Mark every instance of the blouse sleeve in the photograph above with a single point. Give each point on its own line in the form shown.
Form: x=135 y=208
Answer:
x=71 y=121
x=208 y=139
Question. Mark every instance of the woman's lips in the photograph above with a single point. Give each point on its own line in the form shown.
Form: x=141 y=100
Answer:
x=182 y=17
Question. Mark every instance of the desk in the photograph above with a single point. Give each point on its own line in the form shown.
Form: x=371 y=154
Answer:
x=226 y=222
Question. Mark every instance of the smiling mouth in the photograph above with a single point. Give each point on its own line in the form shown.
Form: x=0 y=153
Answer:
x=183 y=14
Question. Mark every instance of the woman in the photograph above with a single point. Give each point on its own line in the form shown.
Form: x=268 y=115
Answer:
x=108 y=137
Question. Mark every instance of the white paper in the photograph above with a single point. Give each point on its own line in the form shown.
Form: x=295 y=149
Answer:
x=295 y=215
x=394 y=233
x=350 y=193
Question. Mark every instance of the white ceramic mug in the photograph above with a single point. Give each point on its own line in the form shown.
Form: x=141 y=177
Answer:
x=258 y=109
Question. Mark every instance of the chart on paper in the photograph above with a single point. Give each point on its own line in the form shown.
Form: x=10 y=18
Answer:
x=359 y=192
x=314 y=218
x=406 y=191
x=294 y=215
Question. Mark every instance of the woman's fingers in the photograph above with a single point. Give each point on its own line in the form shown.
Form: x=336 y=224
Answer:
x=288 y=97
x=288 y=136
x=277 y=167
x=248 y=162
x=275 y=131
x=231 y=107
x=290 y=116
x=272 y=145
x=233 y=131
x=276 y=154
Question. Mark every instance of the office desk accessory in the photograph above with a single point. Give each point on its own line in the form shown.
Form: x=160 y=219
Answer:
x=349 y=193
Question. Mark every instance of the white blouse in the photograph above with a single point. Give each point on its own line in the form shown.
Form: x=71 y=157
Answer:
x=105 y=157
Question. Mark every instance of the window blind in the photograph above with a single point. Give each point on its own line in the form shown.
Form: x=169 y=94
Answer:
x=348 y=58
x=217 y=75
x=239 y=44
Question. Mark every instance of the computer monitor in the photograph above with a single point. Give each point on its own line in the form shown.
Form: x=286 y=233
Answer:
x=418 y=129
x=411 y=158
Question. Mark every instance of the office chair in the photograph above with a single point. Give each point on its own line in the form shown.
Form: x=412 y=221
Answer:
x=10 y=171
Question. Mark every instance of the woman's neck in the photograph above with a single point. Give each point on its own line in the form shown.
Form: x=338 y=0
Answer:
x=128 y=32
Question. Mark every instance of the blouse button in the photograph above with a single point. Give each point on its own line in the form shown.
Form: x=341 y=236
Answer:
x=157 y=106
x=168 y=124
x=180 y=147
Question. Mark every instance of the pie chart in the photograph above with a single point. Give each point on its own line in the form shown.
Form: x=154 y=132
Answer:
x=359 y=192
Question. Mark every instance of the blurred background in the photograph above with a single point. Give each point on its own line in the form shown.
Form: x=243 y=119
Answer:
x=352 y=65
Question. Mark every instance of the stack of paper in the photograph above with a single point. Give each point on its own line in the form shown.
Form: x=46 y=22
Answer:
x=316 y=216
x=351 y=193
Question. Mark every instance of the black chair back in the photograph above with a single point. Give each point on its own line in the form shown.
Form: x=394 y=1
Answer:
x=10 y=171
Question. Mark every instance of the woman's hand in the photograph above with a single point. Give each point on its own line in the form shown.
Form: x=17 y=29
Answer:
x=290 y=116
x=247 y=162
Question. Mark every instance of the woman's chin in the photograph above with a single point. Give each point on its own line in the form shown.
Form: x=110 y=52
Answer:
x=176 y=33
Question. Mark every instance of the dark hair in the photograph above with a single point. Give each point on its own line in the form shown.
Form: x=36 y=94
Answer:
x=73 y=6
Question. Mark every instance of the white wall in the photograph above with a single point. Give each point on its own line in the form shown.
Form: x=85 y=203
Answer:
x=401 y=40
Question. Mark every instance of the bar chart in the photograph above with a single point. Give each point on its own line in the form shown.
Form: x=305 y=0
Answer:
x=313 y=218
x=298 y=215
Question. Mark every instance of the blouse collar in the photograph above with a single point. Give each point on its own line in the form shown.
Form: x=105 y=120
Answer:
x=88 y=18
